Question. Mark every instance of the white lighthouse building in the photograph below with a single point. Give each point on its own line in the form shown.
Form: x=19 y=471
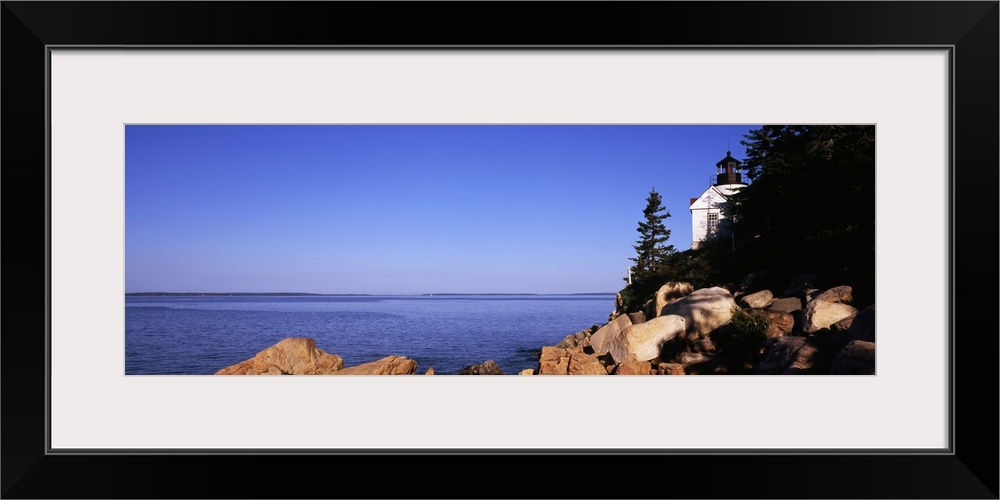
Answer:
x=709 y=212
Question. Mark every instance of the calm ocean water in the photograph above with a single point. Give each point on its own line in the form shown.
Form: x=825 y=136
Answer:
x=199 y=335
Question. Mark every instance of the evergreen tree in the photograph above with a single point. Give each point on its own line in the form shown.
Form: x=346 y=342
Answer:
x=651 y=251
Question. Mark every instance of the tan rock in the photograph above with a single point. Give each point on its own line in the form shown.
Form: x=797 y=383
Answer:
x=430 y=371
x=581 y=363
x=290 y=356
x=600 y=341
x=820 y=314
x=553 y=361
x=632 y=367
x=645 y=341
x=241 y=368
x=527 y=371
x=692 y=358
x=670 y=293
x=838 y=294
x=389 y=365
x=757 y=300
x=703 y=310
x=670 y=369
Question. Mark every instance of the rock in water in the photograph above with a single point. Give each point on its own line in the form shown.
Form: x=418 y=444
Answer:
x=488 y=368
x=290 y=356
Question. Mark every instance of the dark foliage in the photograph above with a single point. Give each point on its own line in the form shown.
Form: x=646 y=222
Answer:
x=811 y=205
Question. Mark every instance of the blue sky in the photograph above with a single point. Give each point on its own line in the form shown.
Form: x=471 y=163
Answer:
x=404 y=209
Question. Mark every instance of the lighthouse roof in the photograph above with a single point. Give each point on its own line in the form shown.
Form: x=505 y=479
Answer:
x=727 y=159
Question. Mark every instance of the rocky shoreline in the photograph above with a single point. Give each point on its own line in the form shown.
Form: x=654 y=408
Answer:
x=681 y=331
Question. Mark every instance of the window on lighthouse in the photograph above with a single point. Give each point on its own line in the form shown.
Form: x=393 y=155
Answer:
x=713 y=223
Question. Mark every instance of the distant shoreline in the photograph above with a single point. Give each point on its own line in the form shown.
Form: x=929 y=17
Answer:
x=305 y=294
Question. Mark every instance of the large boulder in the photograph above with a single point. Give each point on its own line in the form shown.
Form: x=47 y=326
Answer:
x=820 y=314
x=290 y=356
x=670 y=293
x=703 y=310
x=857 y=358
x=863 y=326
x=645 y=341
x=757 y=300
x=600 y=341
x=389 y=365
x=488 y=368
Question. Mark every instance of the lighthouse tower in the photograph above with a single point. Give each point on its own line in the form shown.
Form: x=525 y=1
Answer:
x=709 y=212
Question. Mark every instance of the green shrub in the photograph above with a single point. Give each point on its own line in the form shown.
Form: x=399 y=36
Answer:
x=749 y=329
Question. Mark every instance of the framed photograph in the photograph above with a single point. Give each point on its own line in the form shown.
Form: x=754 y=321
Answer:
x=97 y=95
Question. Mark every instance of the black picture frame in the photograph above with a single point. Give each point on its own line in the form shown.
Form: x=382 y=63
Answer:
x=970 y=28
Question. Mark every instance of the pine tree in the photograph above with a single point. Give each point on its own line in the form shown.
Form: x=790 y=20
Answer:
x=651 y=252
